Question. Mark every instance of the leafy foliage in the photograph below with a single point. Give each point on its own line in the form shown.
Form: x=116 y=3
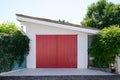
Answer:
x=14 y=45
x=106 y=46
x=102 y=14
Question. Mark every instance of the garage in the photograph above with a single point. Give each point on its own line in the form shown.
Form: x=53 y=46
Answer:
x=56 y=44
x=56 y=51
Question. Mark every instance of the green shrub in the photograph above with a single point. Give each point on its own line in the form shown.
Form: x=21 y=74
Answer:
x=14 y=45
x=106 y=46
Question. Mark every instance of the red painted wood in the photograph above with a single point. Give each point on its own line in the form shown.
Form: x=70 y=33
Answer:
x=56 y=51
x=67 y=51
x=46 y=51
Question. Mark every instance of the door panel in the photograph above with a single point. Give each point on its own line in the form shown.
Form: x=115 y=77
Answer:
x=46 y=51
x=67 y=51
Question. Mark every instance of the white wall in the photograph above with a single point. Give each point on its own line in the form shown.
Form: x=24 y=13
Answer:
x=118 y=64
x=82 y=50
x=33 y=29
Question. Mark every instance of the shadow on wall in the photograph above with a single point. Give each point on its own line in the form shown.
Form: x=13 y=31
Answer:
x=19 y=67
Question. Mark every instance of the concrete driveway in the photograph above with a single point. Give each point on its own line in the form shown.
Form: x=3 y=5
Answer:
x=53 y=72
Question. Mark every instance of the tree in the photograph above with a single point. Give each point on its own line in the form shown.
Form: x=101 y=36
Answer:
x=106 y=46
x=102 y=14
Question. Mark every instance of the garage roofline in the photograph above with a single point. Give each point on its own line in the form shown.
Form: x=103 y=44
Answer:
x=49 y=22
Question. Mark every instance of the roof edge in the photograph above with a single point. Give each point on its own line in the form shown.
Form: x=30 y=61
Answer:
x=26 y=18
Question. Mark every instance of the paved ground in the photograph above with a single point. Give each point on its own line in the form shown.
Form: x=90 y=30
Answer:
x=54 y=72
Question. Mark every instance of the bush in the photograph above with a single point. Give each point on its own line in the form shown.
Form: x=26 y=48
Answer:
x=14 y=45
x=106 y=46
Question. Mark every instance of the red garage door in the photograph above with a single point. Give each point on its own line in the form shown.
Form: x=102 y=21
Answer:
x=56 y=51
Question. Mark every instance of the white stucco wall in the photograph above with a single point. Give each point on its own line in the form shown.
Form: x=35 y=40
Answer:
x=33 y=29
x=118 y=64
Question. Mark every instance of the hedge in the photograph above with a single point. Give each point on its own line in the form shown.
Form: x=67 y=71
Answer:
x=106 y=46
x=14 y=45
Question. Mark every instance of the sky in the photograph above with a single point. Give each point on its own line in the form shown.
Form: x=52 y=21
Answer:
x=69 y=10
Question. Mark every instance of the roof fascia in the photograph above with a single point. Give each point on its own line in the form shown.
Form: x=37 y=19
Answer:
x=19 y=18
